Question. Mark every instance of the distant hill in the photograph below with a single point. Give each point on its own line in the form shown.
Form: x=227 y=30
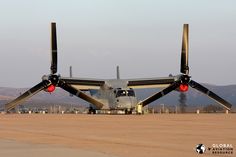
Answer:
x=194 y=98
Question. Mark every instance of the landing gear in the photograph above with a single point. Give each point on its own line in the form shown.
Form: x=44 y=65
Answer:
x=91 y=111
x=128 y=111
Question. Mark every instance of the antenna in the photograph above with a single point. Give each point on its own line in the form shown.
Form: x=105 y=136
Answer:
x=117 y=72
x=70 y=71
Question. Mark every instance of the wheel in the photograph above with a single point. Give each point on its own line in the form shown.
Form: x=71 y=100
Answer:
x=128 y=111
x=91 y=111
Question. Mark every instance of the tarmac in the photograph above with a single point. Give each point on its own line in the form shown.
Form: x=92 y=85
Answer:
x=70 y=135
x=11 y=148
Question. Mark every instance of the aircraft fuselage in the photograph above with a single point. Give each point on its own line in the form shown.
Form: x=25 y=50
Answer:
x=115 y=98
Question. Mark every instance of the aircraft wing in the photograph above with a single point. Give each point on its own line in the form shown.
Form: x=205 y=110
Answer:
x=150 y=82
x=84 y=83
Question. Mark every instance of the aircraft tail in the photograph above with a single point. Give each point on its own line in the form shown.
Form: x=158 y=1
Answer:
x=117 y=72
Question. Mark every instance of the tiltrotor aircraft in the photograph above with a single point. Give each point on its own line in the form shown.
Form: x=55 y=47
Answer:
x=116 y=94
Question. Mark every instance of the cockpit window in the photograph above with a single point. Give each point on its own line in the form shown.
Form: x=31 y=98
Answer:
x=120 y=93
x=130 y=93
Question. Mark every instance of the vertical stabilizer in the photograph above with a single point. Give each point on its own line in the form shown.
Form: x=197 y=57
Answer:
x=70 y=71
x=117 y=72
x=71 y=77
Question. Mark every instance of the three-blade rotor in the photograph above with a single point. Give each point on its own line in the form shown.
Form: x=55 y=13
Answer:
x=52 y=80
x=184 y=79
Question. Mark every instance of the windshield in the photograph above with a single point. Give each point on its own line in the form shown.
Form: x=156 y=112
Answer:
x=130 y=92
x=125 y=93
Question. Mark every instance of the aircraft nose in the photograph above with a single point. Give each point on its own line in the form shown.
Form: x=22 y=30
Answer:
x=125 y=102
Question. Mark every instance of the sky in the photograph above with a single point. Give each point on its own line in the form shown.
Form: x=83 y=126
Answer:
x=143 y=37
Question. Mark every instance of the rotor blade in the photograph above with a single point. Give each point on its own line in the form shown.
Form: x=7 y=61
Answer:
x=160 y=94
x=53 y=48
x=80 y=94
x=209 y=93
x=29 y=93
x=184 y=54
